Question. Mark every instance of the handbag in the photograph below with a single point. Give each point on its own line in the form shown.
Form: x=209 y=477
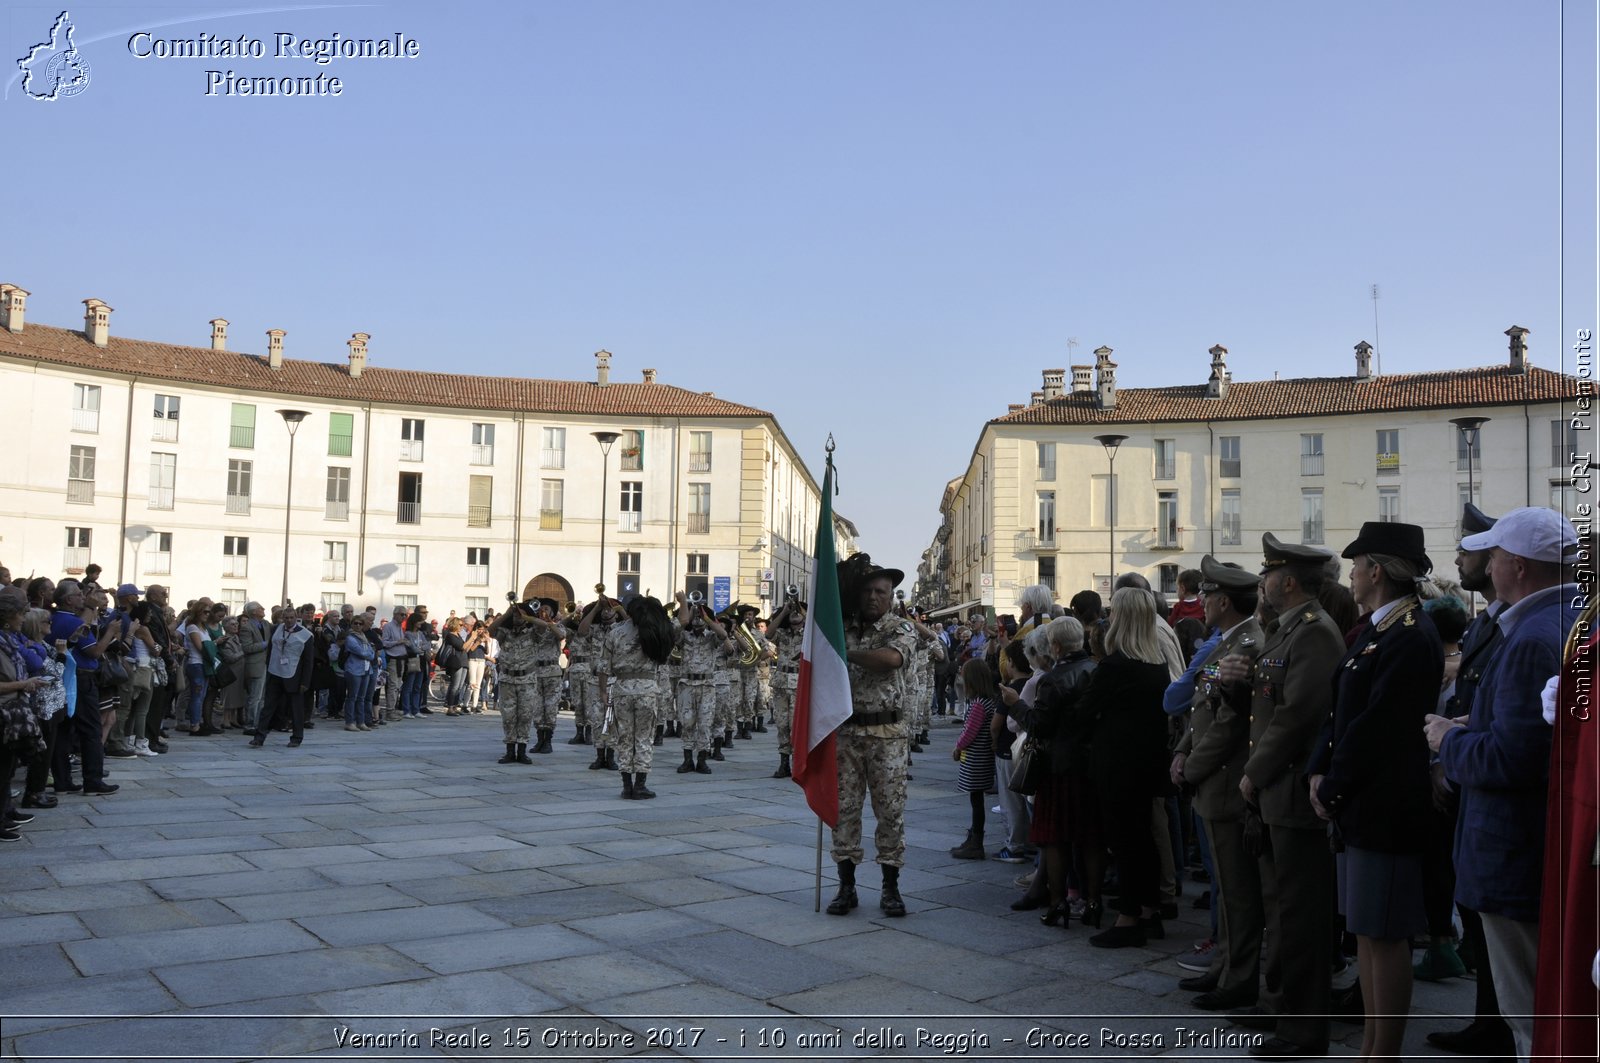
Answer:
x=224 y=676
x=1028 y=767
x=114 y=669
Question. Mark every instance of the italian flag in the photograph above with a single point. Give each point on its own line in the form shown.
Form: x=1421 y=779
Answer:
x=822 y=700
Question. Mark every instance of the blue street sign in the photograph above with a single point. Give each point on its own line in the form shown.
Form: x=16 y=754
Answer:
x=721 y=593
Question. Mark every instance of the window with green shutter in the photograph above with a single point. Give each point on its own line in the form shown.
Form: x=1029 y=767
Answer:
x=243 y=426
x=341 y=432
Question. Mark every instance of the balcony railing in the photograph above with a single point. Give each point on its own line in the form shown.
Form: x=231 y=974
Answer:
x=75 y=559
x=406 y=573
x=336 y=510
x=164 y=430
x=483 y=453
x=239 y=504
x=1228 y=467
x=408 y=513
x=1311 y=465
x=1169 y=538
x=552 y=459
x=86 y=420
x=1388 y=464
x=411 y=450
x=478 y=516
x=80 y=490
x=339 y=445
x=699 y=523
x=1167 y=470
x=235 y=566
x=630 y=522
x=477 y=575
x=699 y=462
x=632 y=461
x=1047 y=472
x=159 y=564
x=244 y=438
x=549 y=520
x=161 y=498
x=333 y=570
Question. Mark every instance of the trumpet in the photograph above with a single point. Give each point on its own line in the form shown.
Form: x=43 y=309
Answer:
x=696 y=599
x=791 y=593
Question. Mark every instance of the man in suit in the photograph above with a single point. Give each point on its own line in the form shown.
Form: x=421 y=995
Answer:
x=1290 y=694
x=1501 y=758
x=1210 y=758
x=253 y=640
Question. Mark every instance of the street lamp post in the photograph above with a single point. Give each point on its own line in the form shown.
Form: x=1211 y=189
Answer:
x=1111 y=443
x=291 y=421
x=1468 y=427
x=605 y=439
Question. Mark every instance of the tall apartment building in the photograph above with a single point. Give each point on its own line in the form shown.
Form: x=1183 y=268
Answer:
x=170 y=463
x=1208 y=468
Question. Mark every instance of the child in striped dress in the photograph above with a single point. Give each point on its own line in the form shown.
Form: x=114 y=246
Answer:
x=975 y=752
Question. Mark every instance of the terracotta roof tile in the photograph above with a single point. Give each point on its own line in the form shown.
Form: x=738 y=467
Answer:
x=1307 y=397
x=332 y=382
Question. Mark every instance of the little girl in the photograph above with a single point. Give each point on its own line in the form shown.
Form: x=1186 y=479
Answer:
x=975 y=750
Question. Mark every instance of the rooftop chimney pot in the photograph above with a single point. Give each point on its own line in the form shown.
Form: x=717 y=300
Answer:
x=649 y=376
x=14 y=302
x=96 y=322
x=1106 y=371
x=275 y=347
x=1082 y=379
x=1363 y=360
x=602 y=364
x=1217 y=385
x=1036 y=398
x=219 y=334
x=358 y=353
x=1519 y=348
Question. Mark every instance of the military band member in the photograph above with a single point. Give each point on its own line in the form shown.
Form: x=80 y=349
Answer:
x=703 y=644
x=787 y=632
x=725 y=682
x=872 y=744
x=746 y=683
x=528 y=638
x=631 y=657
x=763 y=680
x=583 y=647
x=930 y=654
x=1290 y=698
x=580 y=671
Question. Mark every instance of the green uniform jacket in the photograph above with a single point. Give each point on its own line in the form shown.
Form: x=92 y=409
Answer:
x=1214 y=746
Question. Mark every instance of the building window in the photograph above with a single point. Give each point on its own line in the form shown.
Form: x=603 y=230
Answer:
x=1311 y=454
x=1228 y=453
x=333 y=560
x=408 y=563
x=1462 y=498
x=341 y=434
x=699 y=508
x=407 y=600
x=235 y=556
x=699 y=451
x=1102 y=499
x=700 y=574
x=234 y=598
x=630 y=515
x=1231 y=530
x=242 y=426
x=1563 y=444
x=1388 y=451
x=411 y=438
x=480 y=501
x=550 y=502
x=163 y=480
x=1047 y=461
x=85 y=408
x=76 y=558
x=477 y=566
x=80 y=474
x=1477 y=447
x=632 y=451
x=1565 y=498
x=553 y=451
x=239 y=477
x=1311 y=515
x=482 y=443
x=1167 y=519
x=1047 y=518
x=1389 y=503
x=158 y=562
x=331 y=602
x=1166 y=459
x=1047 y=571
x=408 y=509
x=1167 y=575
x=477 y=606
x=627 y=574
x=164 y=428
x=338 y=500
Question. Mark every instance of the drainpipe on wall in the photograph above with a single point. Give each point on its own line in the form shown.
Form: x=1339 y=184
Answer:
x=366 y=466
x=127 y=463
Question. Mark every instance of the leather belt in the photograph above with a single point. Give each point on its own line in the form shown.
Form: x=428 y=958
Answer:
x=786 y=670
x=513 y=673
x=577 y=660
x=697 y=675
x=874 y=719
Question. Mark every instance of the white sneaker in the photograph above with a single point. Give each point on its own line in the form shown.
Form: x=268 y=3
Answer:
x=141 y=747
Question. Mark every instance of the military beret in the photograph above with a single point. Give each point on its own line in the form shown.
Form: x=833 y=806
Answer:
x=1275 y=553
x=1219 y=575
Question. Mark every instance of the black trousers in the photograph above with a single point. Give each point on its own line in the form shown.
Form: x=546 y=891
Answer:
x=82 y=731
x=39 y=766
x=283 y=698
x=1126 y=819
x=160 y=705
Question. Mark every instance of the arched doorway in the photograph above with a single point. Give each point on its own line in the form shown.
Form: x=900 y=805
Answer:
x=548 y=585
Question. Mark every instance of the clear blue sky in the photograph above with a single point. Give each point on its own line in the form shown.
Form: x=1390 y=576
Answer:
x=878 y=219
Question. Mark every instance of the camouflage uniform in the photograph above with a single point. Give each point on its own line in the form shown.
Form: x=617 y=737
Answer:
x=785 y=679
x=872 y=756
x=929 y=651
x=702 y=656
x=634 y=687
x=519 y=686
x=547 y=667
x=725 y=681
x=584 y=689
x=747 y=680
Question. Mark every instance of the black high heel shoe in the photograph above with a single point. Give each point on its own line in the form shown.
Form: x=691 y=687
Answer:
x=1028 y=902
x=1093 y=914
x=1058 y=915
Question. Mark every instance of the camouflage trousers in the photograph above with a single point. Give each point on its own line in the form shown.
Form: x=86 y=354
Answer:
x=587 y=708
x=921 y=706
x=549 y=706
x=727 y=701
x=747 y=691
x=876 y=766
x=633 y=729
x=518 y=700
x=696 y=707
x=783 y=713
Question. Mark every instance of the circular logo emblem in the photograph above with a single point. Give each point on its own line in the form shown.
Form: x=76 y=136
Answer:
x=67 y=73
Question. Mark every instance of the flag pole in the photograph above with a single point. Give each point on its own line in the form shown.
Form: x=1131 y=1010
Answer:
x=816 y=902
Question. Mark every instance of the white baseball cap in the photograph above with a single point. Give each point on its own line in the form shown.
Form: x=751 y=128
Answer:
x=1534 y=532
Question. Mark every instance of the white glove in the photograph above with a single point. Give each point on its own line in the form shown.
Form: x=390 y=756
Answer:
x=1548 y=697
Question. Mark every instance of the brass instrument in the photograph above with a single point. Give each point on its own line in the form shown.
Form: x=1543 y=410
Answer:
x=696 y=599
x=749 y=645
x=791 y=593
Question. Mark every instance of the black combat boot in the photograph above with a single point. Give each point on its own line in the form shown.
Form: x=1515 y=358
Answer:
x=641 y=792
x=727 y=738
x=688 y=762
x=627 y=786
x=916 y=746
x=577 y=733
x=660 y=730
x=611 y=757
x=545 y=734
x=760 y=726
x=744 y=729
x=700 y=764
x=716 y=749
x=845 y=899
x=511 y=754
x=522 y=754
x=890 y=900
x=783 y=767
x=599 y=762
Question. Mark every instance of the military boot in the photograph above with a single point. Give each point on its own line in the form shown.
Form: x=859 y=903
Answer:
x=599 y=761
x=716 y=749
x=846 y=898
x=700 y=764
x=660 y=731
x=727 y=738
x=544 y=734
x=627 y=786
x=641 y=792
x=511 y=754
x=611 y=757
x=760 y=726
x=889 y=900
x=783 y=767
x=916 y=747
x=688 y=762
x=577 y=733
x=744 y=729
x=522 y=754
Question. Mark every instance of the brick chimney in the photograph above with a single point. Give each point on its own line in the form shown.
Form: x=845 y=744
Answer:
x=358 y=353
x=5 y=306
x=1053 y=379
x=219 y=334
x=1363 y=360
x=1013 y=407
x=1036 y=398
x=1519 y=349
x=96 y=322
x=1106 y=378
x=1217 y=386
x=602 y=368
x=275 y=347
x=649 y=376
x=1082 y=379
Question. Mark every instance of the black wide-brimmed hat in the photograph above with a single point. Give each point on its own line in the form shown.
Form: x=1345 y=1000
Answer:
x=1393 y=538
